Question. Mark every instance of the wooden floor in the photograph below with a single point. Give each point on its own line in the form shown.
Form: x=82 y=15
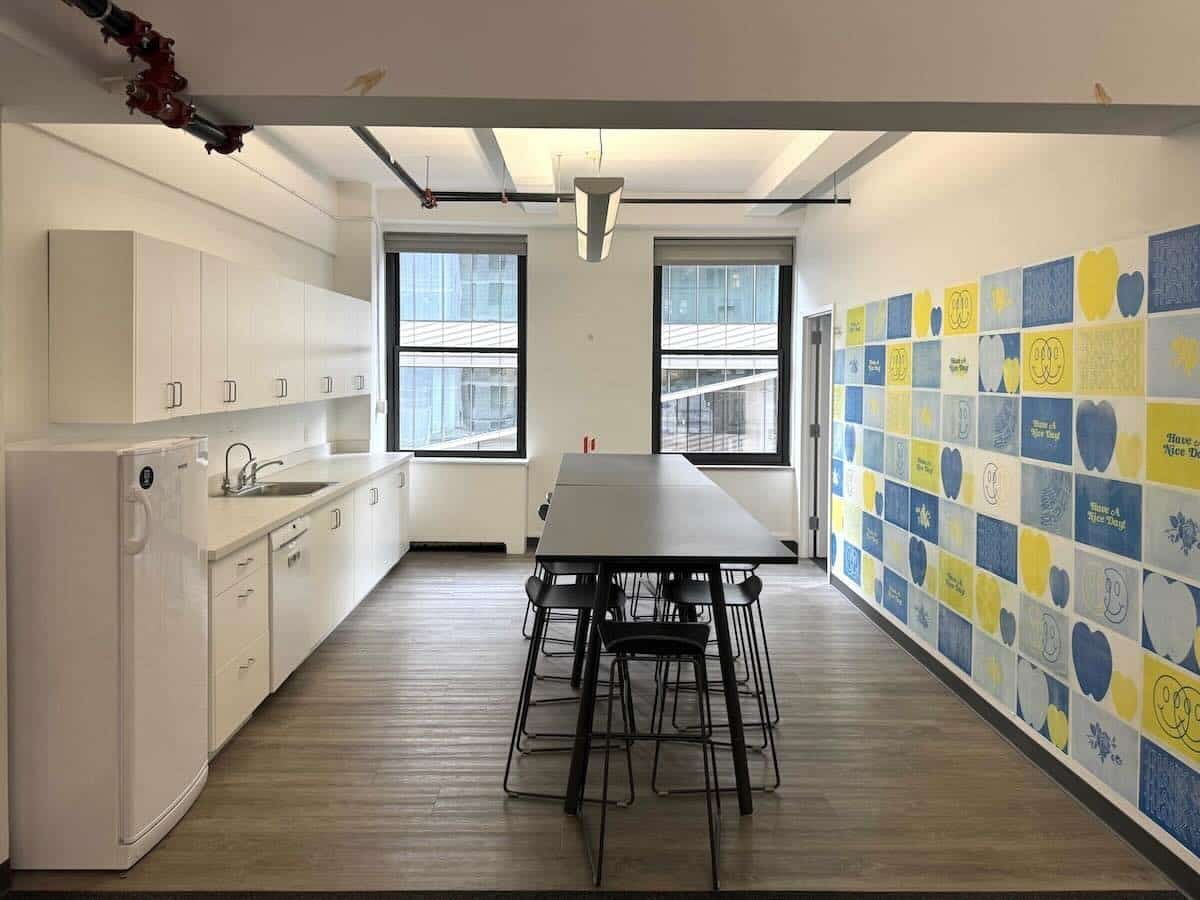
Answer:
x=378 y=766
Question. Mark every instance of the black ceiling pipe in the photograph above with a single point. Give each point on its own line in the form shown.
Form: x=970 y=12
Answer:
x=428 y=200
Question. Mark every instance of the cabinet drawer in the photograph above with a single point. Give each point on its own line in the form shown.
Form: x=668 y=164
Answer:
x=223 y=573
x=237 y=689
x=238 y=615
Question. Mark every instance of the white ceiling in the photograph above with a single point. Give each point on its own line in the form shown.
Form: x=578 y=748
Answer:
x=751 y=163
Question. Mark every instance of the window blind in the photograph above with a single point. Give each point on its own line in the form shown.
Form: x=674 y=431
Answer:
x=430 y=242
x=763 y=251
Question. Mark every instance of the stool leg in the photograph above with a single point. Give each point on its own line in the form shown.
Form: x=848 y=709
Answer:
x=762 y=628
x=764 y=712
x=702 y=702
x=523 y=700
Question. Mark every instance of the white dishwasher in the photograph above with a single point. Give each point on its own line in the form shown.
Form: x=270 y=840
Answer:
x=295 y=624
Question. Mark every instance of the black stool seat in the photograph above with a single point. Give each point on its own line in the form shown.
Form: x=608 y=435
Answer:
x=567 y=569
x=568 y=596
x=696 y=593
x=654 y=638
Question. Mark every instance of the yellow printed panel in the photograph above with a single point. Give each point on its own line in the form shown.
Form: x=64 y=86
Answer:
x=1110 y=359
x=899 y=363
x=856 y=326
x=898 y=411
x=839 y=403
x=960 y=309
x=955 y=586
x=1046 y=361
x=1169 y=703
x=922 y=313
x=923 y=465
x=868 y=574
x=836 y=516
x=1173 y=442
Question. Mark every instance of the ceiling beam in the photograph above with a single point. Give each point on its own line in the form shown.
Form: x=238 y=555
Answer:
x=493 y=154
x=803 y=164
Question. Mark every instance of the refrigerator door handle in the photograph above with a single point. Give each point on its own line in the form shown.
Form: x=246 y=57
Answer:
x=135 y=545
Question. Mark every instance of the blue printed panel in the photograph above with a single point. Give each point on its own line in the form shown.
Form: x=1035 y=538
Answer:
x=1169 y=793
x=994 y=668
x=1171 y=613
x=958 y=419
x=872 y=535
x=1000 y=363
x=854 y=365
x=1105 y=745
x=895 y=595
x=1175 y=270
x=1172 y=530
x=1040 y=695
x=954 y=638
x=839 y=366
x=956 y=525
x=1108 y=515
x=1000 y=424
x=1174 y=338
x=873 y=360
x=996 y=547
x=1046 y=499
x=835 y=477
x=852 y=563
x=895 y=547
x=927 y=364
x=873 y=449
x=836 y=448
x=854 y=405
x=1044 y=636
x=1048 y=293
x=923 y=515
x=895 y=457
x=876 y=321
x=1107 y=592
x=895 y=504
x=1046 y=429
x=923 y=616
x=899 y=316
x=1000 y=300
x=850 y=443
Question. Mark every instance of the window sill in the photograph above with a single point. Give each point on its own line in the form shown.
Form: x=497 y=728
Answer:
x=469 y=461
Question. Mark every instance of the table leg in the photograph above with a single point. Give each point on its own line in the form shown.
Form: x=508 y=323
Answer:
x=582 y=620
x=587 y=697
x=737 y=740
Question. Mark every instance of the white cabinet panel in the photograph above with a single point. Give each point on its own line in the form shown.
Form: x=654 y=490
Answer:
x=287 y=339
x=253 y=305
x=154 y=288
x=216 y=388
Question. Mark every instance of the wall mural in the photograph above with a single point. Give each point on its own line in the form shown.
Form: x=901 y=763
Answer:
x=1016 y=480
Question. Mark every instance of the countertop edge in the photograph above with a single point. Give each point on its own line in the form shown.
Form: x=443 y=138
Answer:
x=315 y=501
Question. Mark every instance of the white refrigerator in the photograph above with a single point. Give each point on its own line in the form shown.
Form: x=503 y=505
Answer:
x=108 y=647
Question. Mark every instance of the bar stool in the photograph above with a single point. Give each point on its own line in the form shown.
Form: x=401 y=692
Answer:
x=552 y=571
x=659 y=642
x=546 y=599
x=742 y=604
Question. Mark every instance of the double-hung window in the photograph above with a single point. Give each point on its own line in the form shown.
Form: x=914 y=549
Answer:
x=722 y=339
x=456 y=326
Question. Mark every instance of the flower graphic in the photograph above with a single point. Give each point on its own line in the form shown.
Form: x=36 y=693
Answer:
x=1104 y=744
x=923 y=516
x=923 y=615
x=1184 y=531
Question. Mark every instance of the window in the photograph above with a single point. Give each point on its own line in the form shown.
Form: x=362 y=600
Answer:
x=456 y=317
x=721 y=354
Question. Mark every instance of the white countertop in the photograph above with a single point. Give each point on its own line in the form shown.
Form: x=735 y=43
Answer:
x=234 y=521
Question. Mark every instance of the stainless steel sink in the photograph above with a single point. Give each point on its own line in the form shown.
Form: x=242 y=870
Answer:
x=286 y=488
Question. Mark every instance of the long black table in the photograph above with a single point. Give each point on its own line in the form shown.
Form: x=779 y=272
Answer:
x=628 y=512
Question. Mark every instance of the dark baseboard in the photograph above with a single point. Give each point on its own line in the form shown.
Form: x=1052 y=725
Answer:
x=1183 y=875
x=646 y=895
x=457 y=547
x=5 y=876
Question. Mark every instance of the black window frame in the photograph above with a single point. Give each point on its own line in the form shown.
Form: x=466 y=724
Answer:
x=395 y=348
x=783 y=395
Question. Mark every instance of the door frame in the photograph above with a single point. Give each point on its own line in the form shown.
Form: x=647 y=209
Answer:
x=812 y=462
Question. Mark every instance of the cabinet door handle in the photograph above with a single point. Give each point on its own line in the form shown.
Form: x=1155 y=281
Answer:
x=249 y=663
x=335 y=519
x=235 y=390
x=403 y=480
x=179 y=399
x=170 y=395
x=281 y=387
x=245 y=562
x=247 y=595
x=228 y=390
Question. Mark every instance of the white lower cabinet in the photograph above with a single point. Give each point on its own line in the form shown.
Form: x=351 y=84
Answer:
x=239 y=649
x=353 y=541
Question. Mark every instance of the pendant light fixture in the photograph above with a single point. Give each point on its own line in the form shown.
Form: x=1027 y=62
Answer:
x=596 y=203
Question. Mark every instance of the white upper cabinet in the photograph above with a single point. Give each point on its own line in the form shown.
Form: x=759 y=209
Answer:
x=143 y=330
x=124 y=328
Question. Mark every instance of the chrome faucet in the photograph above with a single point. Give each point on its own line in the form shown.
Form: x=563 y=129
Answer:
x=247 y=476
x=225 y=485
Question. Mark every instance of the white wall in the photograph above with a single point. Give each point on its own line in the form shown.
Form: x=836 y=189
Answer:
x=588 y=340
x=942 y=209
x=3 y=580
x=67 y=180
